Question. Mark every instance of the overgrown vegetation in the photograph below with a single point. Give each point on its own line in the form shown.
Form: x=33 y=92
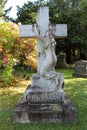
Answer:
x=75 y=89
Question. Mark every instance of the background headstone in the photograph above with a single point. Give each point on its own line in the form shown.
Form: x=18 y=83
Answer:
x=61 y=61
x=80 y=69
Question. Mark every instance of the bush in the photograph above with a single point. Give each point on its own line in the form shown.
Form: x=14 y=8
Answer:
x=14 y=49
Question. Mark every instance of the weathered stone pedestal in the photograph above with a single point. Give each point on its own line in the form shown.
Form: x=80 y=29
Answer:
x=44 y=113
x=40 y=104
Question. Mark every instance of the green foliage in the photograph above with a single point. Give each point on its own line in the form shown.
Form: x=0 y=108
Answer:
x=27 y=13
x=14 y=49
x=0 y=62
x=2 y=4
x=7 y=38
x=73 y=13
x=6 y=74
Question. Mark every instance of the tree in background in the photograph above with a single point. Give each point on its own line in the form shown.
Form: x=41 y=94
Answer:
x=27 y=13
x=73 y=13
x=4 y=13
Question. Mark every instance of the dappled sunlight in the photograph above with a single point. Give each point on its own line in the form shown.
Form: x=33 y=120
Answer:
x=85 y=92
x=74 y=80
x=76 y=90
x=11 y=94
x=22 y=85
x=25 y=82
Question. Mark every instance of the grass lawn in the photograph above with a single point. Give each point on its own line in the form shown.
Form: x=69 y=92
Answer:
x=75 y=89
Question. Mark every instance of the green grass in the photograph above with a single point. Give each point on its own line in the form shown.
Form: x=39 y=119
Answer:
x=75 y=89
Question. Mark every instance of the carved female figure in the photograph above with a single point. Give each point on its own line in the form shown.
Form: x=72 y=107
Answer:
x=47 y=70
x=48 y=43
x=49 y=52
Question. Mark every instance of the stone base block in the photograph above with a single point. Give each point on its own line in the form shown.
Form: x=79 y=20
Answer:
x=44 y=101
x=44 y=112
x=51 y=80
x=39 y=94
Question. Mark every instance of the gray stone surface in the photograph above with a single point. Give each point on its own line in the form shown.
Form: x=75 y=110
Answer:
x=45 y=90
x=39 y=94
x=52 y=80
x=39 y=105
x=80 y=69
x=44 y=112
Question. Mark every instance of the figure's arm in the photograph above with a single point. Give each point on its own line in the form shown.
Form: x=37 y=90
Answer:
x=37 y=34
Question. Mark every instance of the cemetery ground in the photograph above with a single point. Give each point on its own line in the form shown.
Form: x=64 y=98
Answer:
x=75 y=89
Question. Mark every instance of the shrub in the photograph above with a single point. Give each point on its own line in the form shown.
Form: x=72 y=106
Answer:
x=14 y=49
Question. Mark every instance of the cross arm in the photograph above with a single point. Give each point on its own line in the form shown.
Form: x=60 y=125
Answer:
x=26 y=31
x=58 y=30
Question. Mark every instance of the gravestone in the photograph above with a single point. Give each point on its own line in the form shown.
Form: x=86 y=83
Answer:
x=61 y=61
x=44 y=100
x=80 y=69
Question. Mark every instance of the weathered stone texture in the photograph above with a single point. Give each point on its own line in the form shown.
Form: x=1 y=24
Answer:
x=44 y=112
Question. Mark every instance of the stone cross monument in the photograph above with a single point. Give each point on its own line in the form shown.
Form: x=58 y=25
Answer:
x=43 y=100
x=58 y=30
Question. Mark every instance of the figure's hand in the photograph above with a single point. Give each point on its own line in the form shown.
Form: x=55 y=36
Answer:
x=35 y=29
x=35 y=26
x=37 y=32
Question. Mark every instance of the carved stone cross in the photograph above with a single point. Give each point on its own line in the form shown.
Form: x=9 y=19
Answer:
x=58 y=30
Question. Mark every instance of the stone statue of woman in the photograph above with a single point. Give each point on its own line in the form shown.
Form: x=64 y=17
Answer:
x=50 y=56
x=48 y=43
x=47 y=70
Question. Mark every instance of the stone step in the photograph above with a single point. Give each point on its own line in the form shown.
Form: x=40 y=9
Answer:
x=44 y=112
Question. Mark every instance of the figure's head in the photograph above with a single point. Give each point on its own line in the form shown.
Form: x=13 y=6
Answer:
x=49 y=35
